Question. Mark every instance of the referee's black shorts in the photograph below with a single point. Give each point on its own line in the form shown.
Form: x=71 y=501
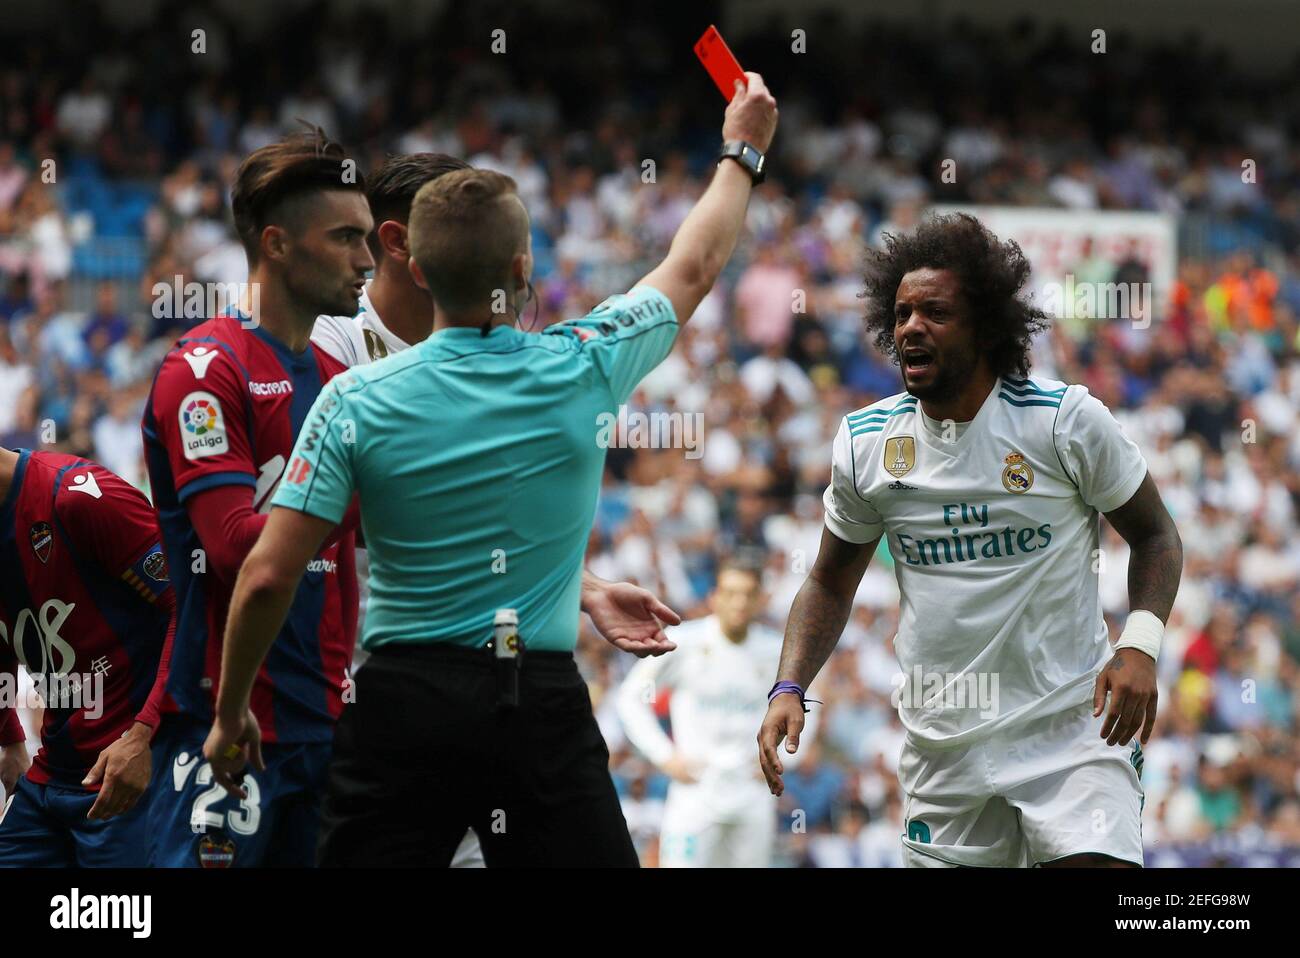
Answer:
x=425 y=751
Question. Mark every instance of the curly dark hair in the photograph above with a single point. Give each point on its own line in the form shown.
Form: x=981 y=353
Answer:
x=991 y=274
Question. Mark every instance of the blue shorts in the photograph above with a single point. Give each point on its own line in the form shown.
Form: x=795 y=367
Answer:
x=195 y=823
x=46 y=827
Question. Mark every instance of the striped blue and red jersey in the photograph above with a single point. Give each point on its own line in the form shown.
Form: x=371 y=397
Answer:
x=84 y=596
x=225 y=408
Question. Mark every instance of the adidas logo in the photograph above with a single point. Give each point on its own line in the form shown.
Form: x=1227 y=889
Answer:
x=901 y=485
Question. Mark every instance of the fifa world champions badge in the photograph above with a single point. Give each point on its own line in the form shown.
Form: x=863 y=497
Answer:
x=900 y=455
x=1018 y=476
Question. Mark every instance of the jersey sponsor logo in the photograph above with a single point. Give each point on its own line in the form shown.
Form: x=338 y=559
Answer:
x=280 y=388
x=1018 y=476
x=323 y=565
x=972 y=536
x=155 y=566
x=199 y=359
x=897 y=484
x=298 y=472
x=85 y=482
x=42 y=537
x=203 y=427
x=899 y=455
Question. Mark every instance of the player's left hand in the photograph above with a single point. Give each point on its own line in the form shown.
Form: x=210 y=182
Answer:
x=124 y=768
x=1130 y=678
x=230 y=747
x=630 y=618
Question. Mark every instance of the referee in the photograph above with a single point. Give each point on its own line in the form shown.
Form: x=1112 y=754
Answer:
x=476 y=460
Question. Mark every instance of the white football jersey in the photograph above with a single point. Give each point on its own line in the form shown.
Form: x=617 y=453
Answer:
x=356 y=340
x=993 y=528
x=719 y=698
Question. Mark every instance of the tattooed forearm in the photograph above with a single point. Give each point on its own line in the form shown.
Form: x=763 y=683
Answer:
x=1154 y=569
x=822 y=607
x=816 y=620
x=1156 y=561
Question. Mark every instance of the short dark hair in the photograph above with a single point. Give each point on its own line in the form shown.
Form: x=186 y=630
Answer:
x=300 y=163
x=991 y=274
x=393 y=186
x=465 y=230
x=749 y=562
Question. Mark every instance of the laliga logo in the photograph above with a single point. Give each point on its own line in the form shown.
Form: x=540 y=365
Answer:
x=200 y=417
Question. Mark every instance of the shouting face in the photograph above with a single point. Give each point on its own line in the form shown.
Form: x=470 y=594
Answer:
x=934 y=335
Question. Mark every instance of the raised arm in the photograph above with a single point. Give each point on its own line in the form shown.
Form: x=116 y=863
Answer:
x=707 y=237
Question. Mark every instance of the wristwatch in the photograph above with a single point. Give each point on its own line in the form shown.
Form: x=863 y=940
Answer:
x=747 y=156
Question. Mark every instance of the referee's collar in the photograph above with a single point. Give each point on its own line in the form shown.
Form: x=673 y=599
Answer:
x=462 y=334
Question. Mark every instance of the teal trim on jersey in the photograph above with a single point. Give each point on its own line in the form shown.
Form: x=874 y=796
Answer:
x=864 y=432
x=878 y=417
x=1054 y=403
x=918 y=831
x=1026 y=388
x=902 y=406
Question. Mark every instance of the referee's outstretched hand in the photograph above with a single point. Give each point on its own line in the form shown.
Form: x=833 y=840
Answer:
x=629 y=617
x=751 y=115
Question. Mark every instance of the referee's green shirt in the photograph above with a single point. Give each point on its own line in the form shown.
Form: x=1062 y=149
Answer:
x=477 y=463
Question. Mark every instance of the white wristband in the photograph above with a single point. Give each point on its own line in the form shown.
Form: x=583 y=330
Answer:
x=1143 y=631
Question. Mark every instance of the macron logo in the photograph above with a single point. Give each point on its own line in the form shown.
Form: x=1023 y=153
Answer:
x=76 y=911
x=281 y=388
x=199 y=360
x=86 y=483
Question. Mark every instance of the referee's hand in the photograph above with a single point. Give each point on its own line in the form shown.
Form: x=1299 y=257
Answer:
x=751 y=115
x=629 y=617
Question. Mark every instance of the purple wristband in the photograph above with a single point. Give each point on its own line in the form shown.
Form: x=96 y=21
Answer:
x=782 y=687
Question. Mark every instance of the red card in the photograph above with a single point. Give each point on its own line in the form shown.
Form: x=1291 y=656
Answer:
x=720 y=62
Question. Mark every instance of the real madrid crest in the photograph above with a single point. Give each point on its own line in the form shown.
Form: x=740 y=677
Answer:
x=900 y=455
x=1018 y=476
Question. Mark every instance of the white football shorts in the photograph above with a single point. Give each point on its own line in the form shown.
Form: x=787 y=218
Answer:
x=1024 y=797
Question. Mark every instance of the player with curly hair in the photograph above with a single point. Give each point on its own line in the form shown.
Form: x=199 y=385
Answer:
x=986 y=483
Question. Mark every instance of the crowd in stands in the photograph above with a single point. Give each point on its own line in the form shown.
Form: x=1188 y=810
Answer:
x=117 y=149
